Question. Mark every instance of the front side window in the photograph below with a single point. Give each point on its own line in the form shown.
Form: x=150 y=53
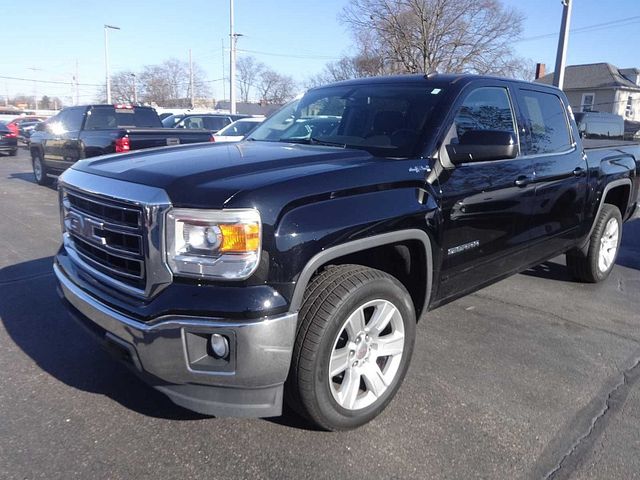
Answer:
x=547 y=123
x=485 y=109
x=387 y=120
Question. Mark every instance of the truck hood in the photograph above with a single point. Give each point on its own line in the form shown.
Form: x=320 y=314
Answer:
x=209 y=175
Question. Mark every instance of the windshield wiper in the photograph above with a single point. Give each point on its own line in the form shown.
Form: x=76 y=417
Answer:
x=317 y=141
x=313 y=141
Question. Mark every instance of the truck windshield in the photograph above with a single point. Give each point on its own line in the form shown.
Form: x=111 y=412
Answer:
x=386 y=120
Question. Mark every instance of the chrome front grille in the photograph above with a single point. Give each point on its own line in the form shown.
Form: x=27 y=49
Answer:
x=107 y=235
x=113 y=230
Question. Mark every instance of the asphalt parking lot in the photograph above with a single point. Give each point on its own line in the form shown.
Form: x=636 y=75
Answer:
x=534 y=377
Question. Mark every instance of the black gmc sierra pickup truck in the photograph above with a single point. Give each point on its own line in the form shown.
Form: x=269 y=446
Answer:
x=92 y=130
x=233 y=277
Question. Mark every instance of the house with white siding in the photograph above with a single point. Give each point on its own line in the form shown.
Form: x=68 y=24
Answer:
x=602 y=87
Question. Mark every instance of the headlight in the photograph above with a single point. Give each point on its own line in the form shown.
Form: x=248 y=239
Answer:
x=221 y=244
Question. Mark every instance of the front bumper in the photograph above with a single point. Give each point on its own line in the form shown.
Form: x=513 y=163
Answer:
x=172 y=355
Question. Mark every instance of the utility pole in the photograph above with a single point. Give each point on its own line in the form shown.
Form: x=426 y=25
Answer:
x=191 y=80
x=224 y=86
x=77 y=85
x=106 y=59
x=35 y=88
x=563 y=42
x=135 y=89
x=233 y=38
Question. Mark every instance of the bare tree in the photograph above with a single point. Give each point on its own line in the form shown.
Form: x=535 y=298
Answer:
x=275 y=88
x=249 y=69
x=413 y=36
x=168 y=85
x=121 y=88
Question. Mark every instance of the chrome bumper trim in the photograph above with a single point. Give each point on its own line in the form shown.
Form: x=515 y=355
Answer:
x=263 y=347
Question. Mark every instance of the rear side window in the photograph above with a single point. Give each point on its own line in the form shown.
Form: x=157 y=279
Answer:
x=547 y=123
x=486 y=108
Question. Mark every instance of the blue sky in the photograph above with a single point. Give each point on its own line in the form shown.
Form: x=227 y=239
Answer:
x=43 y=38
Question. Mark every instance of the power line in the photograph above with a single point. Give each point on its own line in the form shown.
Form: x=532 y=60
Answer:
x=53 y=82
x=589 y=28
x=288 y=55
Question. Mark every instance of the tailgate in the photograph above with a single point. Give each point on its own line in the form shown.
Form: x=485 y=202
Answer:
x=140 y=138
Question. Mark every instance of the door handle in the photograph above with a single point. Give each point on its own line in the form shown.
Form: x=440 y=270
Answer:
x=578 y=172
x=522 y=181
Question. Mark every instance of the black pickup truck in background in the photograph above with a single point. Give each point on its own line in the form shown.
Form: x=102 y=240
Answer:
x=91 y=130
x=294 y=266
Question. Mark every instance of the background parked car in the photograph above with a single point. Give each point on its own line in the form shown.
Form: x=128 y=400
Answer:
x=14 y=125
x=8 y=140
x=600 y=125
x=209 y=121
x=237 y=130
x=25 y=129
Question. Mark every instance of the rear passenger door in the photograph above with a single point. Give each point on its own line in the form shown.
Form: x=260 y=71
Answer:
x=485 y=204
x=560 y=171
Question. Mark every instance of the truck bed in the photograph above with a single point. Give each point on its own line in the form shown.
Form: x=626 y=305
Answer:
x=593 y=144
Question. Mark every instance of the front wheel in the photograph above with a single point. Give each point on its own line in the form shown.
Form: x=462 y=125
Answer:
x=604 y=244
x=353 y=346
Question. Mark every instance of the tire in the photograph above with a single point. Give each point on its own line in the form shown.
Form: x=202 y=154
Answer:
x=337 y=331
x=604 y=245
x=13 y=153
x=39 y=169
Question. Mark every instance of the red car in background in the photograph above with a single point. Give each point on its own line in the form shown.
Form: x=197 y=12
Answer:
x=14 y=124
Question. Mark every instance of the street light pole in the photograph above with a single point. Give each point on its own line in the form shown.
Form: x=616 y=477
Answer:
x=106 y=59
x=563 y=42
x=232 y=62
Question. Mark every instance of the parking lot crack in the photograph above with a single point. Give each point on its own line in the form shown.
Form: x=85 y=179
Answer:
x=612 y=403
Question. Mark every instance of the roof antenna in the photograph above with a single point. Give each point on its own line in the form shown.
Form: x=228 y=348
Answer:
x=430 y=74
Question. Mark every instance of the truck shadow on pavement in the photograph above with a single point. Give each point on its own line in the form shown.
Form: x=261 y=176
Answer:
x=39 y=325
x=37 y=322
x=628 y=256
x=28 y=177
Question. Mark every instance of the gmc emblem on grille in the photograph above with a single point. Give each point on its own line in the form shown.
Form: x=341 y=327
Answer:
x=84 y=227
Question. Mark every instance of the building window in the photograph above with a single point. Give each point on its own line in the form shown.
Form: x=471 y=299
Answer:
x=588 y=100
x=629 y=110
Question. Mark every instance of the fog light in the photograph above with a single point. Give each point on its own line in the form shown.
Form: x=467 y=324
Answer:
x=219 y=345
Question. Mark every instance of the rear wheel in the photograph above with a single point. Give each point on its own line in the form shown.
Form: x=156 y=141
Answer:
x=353 y=346
x=604 y=244
x=39 y=170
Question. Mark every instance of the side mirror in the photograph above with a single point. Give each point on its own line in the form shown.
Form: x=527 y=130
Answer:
x=483 y=145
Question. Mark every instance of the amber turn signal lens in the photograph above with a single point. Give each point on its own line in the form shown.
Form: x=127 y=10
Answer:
x=240 y=237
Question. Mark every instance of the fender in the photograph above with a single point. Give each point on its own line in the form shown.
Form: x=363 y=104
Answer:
x=607 y=187
x=325 y=256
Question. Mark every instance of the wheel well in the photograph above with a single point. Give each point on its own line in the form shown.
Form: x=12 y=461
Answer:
x=406 y=261
x=619 y=196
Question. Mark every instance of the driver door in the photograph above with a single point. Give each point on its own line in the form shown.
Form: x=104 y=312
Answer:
x=485 y=204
